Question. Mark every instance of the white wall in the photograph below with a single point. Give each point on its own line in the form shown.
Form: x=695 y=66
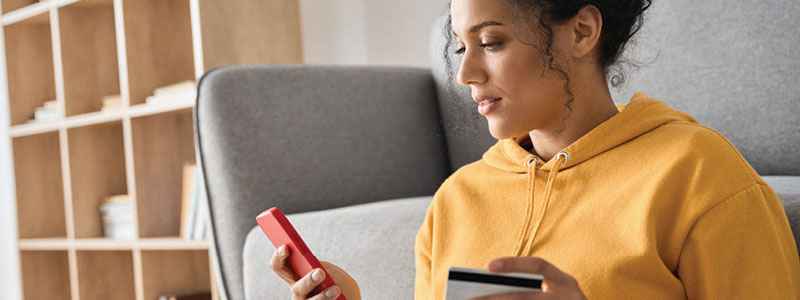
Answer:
x=333 y=31
x=361 y=32
x=372 y=32
x=398 y=32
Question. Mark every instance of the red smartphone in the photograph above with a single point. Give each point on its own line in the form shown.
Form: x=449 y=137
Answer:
x=278 y=229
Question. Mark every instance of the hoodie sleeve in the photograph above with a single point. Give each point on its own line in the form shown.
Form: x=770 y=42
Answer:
x=741 y=248
x=423 y=289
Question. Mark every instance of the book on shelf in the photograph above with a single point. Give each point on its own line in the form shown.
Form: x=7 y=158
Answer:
x=187 y=207
x=195 y=296
x=111 y=102
x=50 y=104
x=46 y=113
x=194 y=210
x=182 y=91
x=117 y=215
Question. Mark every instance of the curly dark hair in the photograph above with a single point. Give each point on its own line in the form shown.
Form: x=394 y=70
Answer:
x=622 y=19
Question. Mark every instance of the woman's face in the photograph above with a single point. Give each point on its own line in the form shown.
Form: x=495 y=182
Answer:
x=496 y=64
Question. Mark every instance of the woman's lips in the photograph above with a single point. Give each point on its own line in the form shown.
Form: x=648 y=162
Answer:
x=487 y=106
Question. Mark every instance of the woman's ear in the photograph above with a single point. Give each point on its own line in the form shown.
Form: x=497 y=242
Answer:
x=586 y=26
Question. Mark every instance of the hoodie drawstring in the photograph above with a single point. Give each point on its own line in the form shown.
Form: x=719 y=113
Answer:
x=545 y=201
x=532 y=164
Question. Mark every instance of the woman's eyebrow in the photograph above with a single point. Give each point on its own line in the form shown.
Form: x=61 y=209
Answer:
x=481 y=25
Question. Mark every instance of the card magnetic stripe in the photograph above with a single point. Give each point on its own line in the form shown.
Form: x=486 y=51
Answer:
x=495 y=279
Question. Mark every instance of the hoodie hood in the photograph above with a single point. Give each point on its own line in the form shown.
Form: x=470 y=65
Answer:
x=641 y=115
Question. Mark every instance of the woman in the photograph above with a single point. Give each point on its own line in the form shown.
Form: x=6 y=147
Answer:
x=605 y=202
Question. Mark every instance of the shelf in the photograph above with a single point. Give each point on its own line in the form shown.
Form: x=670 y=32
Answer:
x=93 y=118
x=89 y=55
x=40 y=193
x=106 y=275
x=12 y=5
x=98 y=117
x=32 y=129
x=30 y=8
x=97 y=169
x=29 y=62
x=169 y=243
x=172 y=244
x=162 y=144
x=45 y=275
x=175 y=272
x=150 y=109
x=169 y=58
x=77 y=52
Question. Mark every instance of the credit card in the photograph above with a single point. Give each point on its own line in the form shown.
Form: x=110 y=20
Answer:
x=466 y=283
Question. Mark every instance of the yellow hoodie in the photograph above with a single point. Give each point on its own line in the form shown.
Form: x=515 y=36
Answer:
x=648 y=205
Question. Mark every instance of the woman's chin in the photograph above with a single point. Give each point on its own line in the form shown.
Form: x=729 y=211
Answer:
x=498 y=132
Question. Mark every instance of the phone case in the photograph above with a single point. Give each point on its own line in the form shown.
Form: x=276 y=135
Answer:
x=278 y=229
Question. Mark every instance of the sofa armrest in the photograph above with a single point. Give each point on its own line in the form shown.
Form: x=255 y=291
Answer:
x=306 y=138
x=787 y=188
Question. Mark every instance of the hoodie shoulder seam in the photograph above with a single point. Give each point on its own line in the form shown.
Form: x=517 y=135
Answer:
x=743 y=164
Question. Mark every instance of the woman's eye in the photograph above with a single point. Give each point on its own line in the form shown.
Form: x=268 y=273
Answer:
x=490 y=46
x=487 y=46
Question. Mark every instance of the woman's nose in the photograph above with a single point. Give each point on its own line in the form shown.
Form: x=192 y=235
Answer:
x=470 y=70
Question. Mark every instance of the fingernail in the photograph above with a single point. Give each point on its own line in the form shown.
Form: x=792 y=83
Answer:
x=317 y=275
x=281 y=250
x=496 y=265
x=332 y=292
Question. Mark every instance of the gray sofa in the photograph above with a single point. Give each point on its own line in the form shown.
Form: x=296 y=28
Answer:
x=354 y=153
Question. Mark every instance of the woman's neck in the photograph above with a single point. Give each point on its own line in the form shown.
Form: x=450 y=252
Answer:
x=587 y=113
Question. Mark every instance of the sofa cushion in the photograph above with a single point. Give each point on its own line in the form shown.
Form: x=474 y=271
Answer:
x=378 y=249
x=788 y=190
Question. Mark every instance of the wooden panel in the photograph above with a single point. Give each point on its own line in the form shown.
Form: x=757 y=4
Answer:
x=10 y=5
x=89 y=53
x=29 y=61
x=106 y=275
x=250 y=31
x=174 y=272
x=159 y=45
x=45 y=275
x=162 y=144
x=97 y=170
x=40 y=194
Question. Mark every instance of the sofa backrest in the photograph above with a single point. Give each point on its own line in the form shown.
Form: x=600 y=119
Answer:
x=734 y=66
x=306 y=138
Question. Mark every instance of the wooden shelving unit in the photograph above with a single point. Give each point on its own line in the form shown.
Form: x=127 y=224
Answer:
x=77 y=52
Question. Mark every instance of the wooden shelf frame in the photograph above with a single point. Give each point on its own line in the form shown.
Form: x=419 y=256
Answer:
x=89 y=55
x=76 y=52
x=31 y=77
x=49 y=270
x=93 y=118
x=97 y=171
x=170 y=243
x=41 y=204
x=105 y=274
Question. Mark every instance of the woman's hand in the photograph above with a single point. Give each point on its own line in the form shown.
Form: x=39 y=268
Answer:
x=301 y=288
x=556 y=285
